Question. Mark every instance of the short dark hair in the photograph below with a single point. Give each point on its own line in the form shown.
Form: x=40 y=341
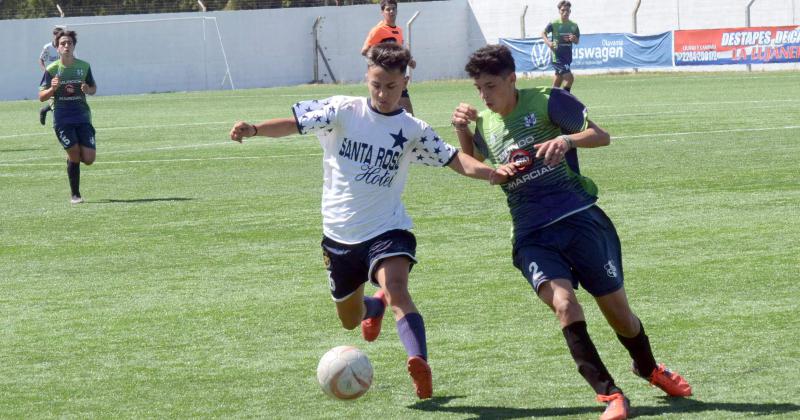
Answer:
x=385 y=3
x=563 y=3
x=389 y=56
x=57 y=31
x=72 y=34
x=495 y=60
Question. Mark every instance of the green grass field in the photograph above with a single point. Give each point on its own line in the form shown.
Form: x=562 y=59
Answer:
x=190 y=284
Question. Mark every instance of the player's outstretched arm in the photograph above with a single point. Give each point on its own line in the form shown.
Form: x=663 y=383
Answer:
x=554 y=150
x=468 y=166
x=462 y=116
x=277 y=127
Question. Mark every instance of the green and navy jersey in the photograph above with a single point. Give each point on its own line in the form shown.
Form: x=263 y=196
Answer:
x=539 y=195
x=560 y=32
x=70 y=101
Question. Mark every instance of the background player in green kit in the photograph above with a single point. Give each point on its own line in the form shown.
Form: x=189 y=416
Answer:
x=69 y=80
x=564 y=33
x=562 y=239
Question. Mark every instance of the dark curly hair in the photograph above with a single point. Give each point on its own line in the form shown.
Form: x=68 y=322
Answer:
x=71 y=34
x=495 y=60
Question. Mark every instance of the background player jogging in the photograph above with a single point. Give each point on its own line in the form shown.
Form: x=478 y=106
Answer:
x=564 y=33
x=68 y=80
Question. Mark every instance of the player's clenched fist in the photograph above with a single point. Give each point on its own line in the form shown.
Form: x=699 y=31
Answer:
x=462 y=116
x=241 y=130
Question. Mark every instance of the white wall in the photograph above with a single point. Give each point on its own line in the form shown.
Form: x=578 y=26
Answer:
x=273 y=47
x=501 y=18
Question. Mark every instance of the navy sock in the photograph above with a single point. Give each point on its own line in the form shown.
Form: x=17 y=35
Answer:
x=411 y=329
x=588 y=360
x=74 y=175
x=375 y=307
x=642 y=354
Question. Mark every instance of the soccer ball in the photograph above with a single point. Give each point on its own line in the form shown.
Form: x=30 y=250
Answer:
x=344 y=372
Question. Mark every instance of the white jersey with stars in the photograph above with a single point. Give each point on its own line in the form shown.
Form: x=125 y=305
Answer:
x=49 y=54
x=366 y=157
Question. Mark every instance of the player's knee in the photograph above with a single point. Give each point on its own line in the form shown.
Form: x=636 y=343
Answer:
x=400 y=302
x=567 y=308
x=88 y=162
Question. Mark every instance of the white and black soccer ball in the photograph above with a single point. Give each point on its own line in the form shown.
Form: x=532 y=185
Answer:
x=344 y=373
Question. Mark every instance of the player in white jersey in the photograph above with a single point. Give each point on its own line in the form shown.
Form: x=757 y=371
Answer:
x=368 y=145
x=48 y=55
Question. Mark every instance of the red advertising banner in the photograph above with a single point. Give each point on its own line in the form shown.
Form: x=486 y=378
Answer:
x=754 y=45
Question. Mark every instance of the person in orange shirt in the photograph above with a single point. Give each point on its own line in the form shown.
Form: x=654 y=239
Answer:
x=387 y=31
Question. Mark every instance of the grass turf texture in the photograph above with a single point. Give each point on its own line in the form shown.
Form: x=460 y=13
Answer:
x=191 y=282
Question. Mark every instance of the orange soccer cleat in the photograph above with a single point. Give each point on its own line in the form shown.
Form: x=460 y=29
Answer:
x=371 y=327
x=618 y=406
x=420 y=373
x=670 y=382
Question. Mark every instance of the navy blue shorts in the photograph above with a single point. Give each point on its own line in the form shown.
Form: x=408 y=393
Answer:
x=71 y=134
x=561 y=68
x=583 y=248
x=404 y=94
x=350 y=266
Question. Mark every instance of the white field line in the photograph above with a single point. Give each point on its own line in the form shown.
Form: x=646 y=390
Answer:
x=683 y=105
x=112 y=162
x=688 y=133
x=49 y=131
x=117 y=162
x=776 y=103
x=157 y=126
x=25 y=162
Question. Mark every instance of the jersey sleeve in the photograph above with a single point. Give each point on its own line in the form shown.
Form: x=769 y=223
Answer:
x=549 y=28
x=46 y=79
x=89 y=77
x=43 y=55
x=429 y=149
x=316 y=115
x=567 y=112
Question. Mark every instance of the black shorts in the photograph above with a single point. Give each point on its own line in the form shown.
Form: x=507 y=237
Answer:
x=71 y=134
x=351 y=265
x=583 y=248
x=561 y=68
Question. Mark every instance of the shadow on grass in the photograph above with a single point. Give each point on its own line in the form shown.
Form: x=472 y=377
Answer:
x=140 y=200
x=673 y=406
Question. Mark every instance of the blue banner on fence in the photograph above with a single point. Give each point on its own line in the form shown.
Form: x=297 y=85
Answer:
x=597 y=51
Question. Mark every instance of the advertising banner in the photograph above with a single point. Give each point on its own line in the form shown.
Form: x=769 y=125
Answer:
x=597 y=51
x=754 y=45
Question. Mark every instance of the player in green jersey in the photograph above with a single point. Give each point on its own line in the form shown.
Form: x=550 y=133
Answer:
x=68 y=81
x=562 y=239
x=565 y=34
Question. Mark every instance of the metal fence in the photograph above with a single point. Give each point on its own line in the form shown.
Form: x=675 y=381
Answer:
x=67 y=8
